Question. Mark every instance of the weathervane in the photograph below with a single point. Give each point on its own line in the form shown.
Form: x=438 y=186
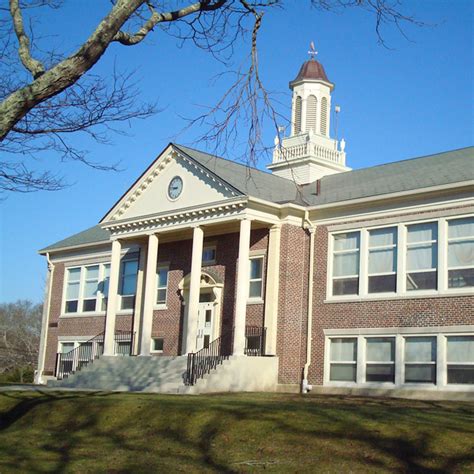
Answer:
x=312 y=50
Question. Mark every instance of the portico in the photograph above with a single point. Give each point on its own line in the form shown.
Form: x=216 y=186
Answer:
x=199 y=287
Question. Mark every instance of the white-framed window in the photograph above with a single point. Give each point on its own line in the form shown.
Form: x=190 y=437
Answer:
x=346 y=262
x=382 y=260
x=405 y=358
x=128 y=283
x=162 y=284
x=420 y=359
x=157 y=344
x=380 y=359
x=343 y=359
x=460 y=359
x=105 y=286
x=209 y=255
x=410 y=260
x=86 y=288
x=461 y=253
x=256 y=278
x=422 y=256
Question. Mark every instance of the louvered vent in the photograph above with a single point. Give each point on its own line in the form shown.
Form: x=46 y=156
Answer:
x=298 y=115
x=311 y=113
x=324 y=116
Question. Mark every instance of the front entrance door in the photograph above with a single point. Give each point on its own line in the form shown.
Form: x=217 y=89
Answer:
x=205 y=325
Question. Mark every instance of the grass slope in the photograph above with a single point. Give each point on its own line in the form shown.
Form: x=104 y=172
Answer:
x=104 y=432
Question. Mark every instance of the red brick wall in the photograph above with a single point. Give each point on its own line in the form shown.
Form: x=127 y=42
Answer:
x=292 y=303
x=410 y=312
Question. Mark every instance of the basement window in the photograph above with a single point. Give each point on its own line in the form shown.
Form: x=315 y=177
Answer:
x=157 y=344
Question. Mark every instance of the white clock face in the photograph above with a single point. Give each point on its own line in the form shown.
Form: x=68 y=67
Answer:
x=175 y=187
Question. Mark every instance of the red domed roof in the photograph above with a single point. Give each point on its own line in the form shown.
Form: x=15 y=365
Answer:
x=311 y=70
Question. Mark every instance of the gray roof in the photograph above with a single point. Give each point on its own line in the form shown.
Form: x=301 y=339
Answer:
x=89 y=236
x=416 y=173
x=249 y=181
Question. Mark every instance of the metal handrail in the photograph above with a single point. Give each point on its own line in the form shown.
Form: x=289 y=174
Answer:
x=208 y=358
x=255 y=341
x=82 y=355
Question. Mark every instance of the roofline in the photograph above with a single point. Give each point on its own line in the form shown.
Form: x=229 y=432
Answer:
x=74 y=247
x=376 y=197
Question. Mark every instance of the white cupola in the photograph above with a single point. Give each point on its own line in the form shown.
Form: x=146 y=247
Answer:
x=309 y=153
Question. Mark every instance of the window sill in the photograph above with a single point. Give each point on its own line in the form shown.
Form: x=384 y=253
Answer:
x=403 y=386
x=210 y=263
x=156 y=352
x=160 y=307
x=406 y=296
x=255 y=301
x=122 y=312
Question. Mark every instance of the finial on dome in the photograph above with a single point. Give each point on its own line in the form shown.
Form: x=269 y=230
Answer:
x=312 y=50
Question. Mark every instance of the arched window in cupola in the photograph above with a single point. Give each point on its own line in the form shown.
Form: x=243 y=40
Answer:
x=298 y=107
x=311 y=113
x=324 y=116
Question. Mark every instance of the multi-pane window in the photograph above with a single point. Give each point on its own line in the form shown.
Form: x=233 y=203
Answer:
x=420 y=359
x=128 y=283
x=105 y=286
x=383 y=260
x=343 y=360
x=346 y=263
x=72 y=290
x=162 y=284
x=460 y=359
x=461 y=253
x=91 y=287
x=256 y=278
x=209 y=254
x=380 y=359
x=422 y=256
x=86 y=288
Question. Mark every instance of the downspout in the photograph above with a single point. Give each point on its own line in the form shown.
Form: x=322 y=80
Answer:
x=305 y=386
x=44 y=322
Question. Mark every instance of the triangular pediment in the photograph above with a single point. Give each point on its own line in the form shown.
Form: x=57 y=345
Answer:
x=150 y=193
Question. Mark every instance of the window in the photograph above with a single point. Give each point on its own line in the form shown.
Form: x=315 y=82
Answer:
x=422 y=256
x=461 y=253
x=67 y=359
x=209 y=255
x=343 y=360
x=346 y=263
x=86 y=288
x=383 y=260
x=298 y=115
x=460 y=359
x=420 y=360
x=256 y=278
x=380 y=359
x=162 y=282
x=311 y=106
x=105 y=286
x=91 y=287
x=72 y=290
x=157 y=344
x=128 y=284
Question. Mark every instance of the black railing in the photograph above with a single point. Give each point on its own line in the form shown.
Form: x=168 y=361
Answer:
x=208 y=358
x=70 y=362
x=255 y=340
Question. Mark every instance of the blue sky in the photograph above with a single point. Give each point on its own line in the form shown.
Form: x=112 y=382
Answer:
x=413 y=99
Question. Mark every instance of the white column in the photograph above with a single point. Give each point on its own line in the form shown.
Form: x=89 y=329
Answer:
x=109 y=336
x=364 y=263
x=191 y=320
x=149 y=294
x=272 y=289
x=442 y=255
x=242 y=287
x=139 y=300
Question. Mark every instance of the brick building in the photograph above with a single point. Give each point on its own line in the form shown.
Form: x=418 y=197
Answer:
x=216 y=276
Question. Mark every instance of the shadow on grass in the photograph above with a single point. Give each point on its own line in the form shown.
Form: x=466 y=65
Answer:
x=104 y=432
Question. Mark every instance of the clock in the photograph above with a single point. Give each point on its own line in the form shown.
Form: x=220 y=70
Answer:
x=175 y=188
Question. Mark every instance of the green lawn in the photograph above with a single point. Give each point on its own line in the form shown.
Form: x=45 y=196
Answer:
x=103 y=432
